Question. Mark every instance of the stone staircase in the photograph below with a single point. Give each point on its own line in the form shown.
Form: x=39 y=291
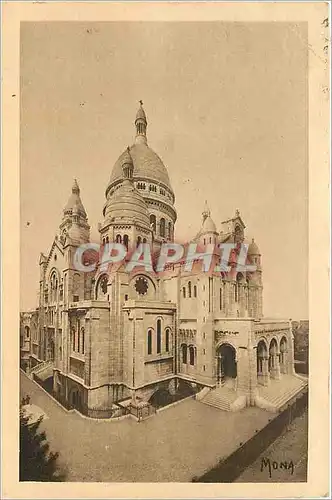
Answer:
x=221 y=398
x=43 y=370
x=279 y=392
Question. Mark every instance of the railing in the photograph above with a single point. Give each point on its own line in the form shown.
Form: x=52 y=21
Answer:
x=40 y=367
x=142 y=412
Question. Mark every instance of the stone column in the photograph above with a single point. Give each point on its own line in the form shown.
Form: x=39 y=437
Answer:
x=266 y=374
x=290 y=353
x=283 y=362
x=260 y=374
x=241 y=299
x=275 y=368
x=216 y=367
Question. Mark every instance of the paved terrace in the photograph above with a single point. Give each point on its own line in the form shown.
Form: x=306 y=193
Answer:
x=175 y=445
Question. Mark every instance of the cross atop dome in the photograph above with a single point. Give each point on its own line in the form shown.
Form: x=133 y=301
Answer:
x=206 y=212
x=141 y=124
x=75 y=188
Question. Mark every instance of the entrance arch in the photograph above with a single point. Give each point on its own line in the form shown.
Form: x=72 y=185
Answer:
x=226 y=363
x=262 y=362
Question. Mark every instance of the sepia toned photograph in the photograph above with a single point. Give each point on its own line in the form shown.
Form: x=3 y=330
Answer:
x=163 y=326
x=154 y=289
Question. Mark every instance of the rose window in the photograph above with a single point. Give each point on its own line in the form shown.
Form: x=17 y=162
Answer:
x=141 y=286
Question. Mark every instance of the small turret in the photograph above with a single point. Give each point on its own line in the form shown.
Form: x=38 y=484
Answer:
x=141 y=125
x=75 y=221
x=127 y=165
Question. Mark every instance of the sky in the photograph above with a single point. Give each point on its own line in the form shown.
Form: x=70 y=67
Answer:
x=226 y=105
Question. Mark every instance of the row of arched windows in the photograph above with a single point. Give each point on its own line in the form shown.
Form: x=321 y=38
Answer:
x=189 y=291
x=140 y=240
x=158 y=340
x=152 y=188
x=208 y=240
x=124 y=240
x=162 y=226
x=188 y=354
x=77 y=339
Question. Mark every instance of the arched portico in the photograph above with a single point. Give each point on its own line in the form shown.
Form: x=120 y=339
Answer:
x=226 y=363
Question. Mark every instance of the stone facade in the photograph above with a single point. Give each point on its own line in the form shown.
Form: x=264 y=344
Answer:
x=113 y=334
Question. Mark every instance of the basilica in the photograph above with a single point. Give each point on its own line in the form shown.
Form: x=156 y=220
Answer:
x=110 y=338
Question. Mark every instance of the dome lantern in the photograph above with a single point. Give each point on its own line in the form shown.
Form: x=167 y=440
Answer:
x=141 y=125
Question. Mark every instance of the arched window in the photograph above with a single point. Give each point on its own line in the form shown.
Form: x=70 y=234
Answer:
x=247 y=293
x=158 y=336
x=149 y=341
x=144 y=240
x=76 y=287
x=107 y=239
x=170 y=230
x=189 y=289
x=167 y=334
x=162 y=227
x=27 y=332
x=239 y=279
x=83 y=339
x=101 y=289
x=153 y=222
x=78 y=339
x=138 y=241
x=184 y=353
x=195 y=291
x=204 y=241
x=72 y=337
x=104 y=241
x=126 y=241
x=118 y=238
x=191 y=355
x=184 y=292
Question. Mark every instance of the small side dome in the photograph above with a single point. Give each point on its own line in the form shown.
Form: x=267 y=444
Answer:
x=209 y=226
x=253 y=248
x=75 y=201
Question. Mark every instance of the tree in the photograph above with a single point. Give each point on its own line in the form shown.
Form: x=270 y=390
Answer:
x=37 y=463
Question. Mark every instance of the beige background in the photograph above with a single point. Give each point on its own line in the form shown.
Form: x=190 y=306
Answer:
x=227 y=112
x=318 y=239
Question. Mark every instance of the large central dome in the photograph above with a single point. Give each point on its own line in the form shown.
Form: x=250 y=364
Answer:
x=150 y=179
x=147 y=165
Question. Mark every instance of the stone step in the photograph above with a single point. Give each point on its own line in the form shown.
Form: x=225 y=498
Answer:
x=220 y=405
x=220 y=398
x=282 y=391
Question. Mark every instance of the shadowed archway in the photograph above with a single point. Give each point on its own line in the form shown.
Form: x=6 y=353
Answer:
x=226 y=362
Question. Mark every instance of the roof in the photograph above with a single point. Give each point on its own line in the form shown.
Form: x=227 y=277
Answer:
x=253 y=248
x=147 y=165
x=208 y=225
x=75 y=201
x=127 y=205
